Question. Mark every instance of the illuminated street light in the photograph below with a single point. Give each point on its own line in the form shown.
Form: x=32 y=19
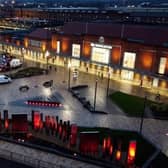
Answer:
x=69 y=75
x=47 y=56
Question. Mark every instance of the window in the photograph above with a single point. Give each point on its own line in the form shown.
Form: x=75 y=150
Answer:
x=35 y=43
x=155 y=82
x=100 y=55
x=128 y=75
x=162 y=65
x=76 y=50
x=129 y=60
x=58 y=47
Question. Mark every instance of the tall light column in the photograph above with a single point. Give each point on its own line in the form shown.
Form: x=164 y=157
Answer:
x=108 y=83
x=142 y=115
x=23 y=51
x=47 y=56
x=69 y=75
x=95 y=95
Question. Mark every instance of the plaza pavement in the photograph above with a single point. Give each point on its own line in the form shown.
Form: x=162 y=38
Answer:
x=36 y=158
x=154 y=130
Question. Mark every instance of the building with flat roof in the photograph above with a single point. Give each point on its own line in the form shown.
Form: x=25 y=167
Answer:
x=134 y=53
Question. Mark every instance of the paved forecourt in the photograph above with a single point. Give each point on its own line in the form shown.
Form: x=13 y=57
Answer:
x=154 y=130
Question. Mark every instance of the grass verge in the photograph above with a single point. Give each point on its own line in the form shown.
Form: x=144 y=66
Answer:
x=131 y=105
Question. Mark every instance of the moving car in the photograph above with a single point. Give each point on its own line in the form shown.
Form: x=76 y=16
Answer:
x=5 y=79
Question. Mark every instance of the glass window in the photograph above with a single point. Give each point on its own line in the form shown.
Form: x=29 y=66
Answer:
x=35 y=43
x=100 y=55
x=76 y=50
x=155 y=82
x=128 y=75
x=162 y=65
x=58 y=47
x=129 y=60
x=75 y=63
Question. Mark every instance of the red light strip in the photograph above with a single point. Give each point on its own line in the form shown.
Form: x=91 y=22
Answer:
x=43 y=103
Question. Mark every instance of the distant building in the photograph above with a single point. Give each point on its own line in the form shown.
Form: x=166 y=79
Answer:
x=60 y=15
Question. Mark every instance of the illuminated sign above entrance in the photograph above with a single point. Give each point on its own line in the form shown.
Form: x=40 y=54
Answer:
x=101 y=46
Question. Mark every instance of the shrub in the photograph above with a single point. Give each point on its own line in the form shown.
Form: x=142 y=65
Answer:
x=153 y=106
x=159 y=107
x=27 y=72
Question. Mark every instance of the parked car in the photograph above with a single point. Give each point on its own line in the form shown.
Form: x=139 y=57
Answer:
x=5 y=79
x=15 y=63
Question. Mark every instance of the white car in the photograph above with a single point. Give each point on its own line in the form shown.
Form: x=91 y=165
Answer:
x=15 y=63
x=5 y=79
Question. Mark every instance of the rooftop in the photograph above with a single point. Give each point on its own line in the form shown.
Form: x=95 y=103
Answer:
x=41 y=34
x=147 y=34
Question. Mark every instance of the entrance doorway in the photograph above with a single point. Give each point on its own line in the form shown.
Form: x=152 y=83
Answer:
x=155 y=82
x=127 y=75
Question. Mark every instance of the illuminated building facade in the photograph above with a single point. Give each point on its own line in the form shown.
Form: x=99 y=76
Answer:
x=132 y=53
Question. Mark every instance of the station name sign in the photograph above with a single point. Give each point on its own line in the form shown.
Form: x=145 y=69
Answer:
x=101 y=46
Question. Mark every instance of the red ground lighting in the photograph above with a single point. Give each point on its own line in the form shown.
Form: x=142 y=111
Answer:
x=37 y=120
x=131 y=152
x=43 y=103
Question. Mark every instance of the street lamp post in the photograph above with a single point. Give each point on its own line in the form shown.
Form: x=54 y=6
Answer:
x=142 y=115
x=23 y=54
x=69 y=75
x=65 y=64
x=47 y=55
x=108 y=83
x=95 y=95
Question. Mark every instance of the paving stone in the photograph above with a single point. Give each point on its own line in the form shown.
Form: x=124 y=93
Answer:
x=154 y=130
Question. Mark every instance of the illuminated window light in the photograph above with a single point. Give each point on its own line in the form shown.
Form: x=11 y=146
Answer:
x=118 y=155
x=43 y=103
x=131 y=152
x=111 y=150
